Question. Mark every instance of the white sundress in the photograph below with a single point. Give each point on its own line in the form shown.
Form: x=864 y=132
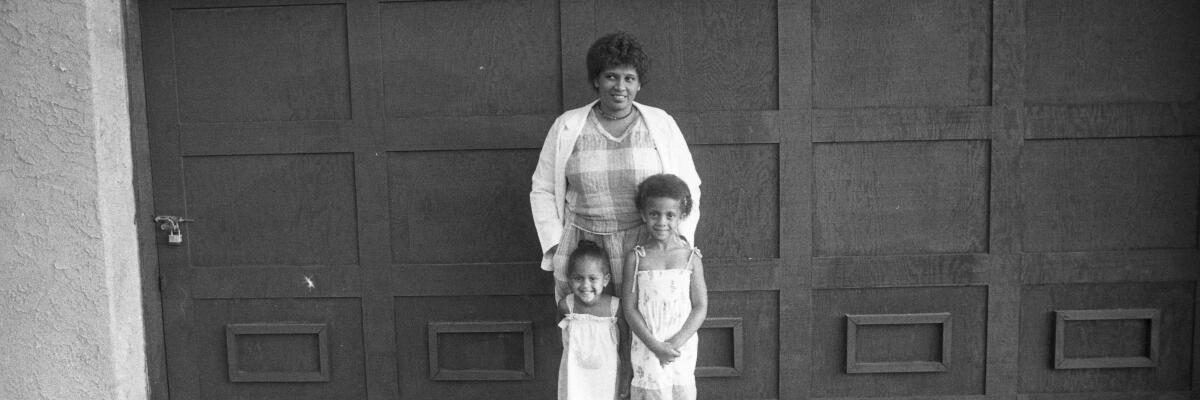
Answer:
x=588 y=369
x=665 y=301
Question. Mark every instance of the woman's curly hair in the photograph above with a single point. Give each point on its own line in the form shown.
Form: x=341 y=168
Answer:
x=615 y=50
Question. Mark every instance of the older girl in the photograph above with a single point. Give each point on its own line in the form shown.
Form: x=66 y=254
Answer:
x=667 y=298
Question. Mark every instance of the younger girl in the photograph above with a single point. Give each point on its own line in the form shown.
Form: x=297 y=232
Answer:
x=590 y=330
x=667 y=298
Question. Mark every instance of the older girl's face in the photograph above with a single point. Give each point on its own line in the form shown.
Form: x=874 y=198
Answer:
x=617 y=87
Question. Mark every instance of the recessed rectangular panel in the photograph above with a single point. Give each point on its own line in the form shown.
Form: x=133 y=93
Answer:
x=277 y=348
x=481 y=351
x=462 y=206
x=262 y=63
x=881 y=53
x=1109 y=194
x=271 y=210
x=890 y=343
x=857 y=332
x=478 y=347
x=1112 y=51
x=1103 y=337
x=706 y=55
x=723 y=345
x=738 y=355
x=462 y=58
x=277 y=352
x=739 y=200
x=884 y=198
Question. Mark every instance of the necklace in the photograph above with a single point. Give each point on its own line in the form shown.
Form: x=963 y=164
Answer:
x=611 y=117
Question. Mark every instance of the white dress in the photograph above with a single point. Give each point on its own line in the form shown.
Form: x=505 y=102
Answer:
x=588 y=369
x=665 y=301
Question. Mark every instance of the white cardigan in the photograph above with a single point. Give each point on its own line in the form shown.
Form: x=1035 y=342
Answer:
x=548 y=197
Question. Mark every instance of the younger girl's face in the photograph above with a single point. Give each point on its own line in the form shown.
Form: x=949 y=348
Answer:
x=588 y=279
x=662 y=216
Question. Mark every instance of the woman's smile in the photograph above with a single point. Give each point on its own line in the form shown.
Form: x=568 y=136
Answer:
x=619 y=86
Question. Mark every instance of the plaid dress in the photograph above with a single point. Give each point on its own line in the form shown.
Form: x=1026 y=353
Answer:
x=602 y=177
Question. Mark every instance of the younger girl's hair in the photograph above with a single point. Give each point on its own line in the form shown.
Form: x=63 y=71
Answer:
x=588 y=248
x=664 y=185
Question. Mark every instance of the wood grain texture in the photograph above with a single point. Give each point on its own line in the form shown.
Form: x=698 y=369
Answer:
x=276 y=282
x=916 y=53
x=898 y=343
x=413 y=316
x=271 y=209
x=457 y=207
x=577 y=31
x=1112 y=338
x=795 y=26
x=273 y=352
x=706 y=56
x=1172 y=299
x=1110 y=194
x=262 y=63
x=1112 y=51
x=903 y=270
x=1113 y=120
x=1130 y=395
x=343 y=328
x=888 y=198
x=897 y=124
x=759 y=377
x=470 y=58
x=467 y=133
x=1110 y=266
x=272 y=137
x=724 y=347
x=740 y=202
x=967 y=305
x=480 y=351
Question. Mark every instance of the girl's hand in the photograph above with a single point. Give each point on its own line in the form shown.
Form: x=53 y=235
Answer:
x=665 y=352
x=675 y=343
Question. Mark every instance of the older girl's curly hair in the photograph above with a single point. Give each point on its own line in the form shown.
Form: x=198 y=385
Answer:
x=664 y=185
x=615 y=50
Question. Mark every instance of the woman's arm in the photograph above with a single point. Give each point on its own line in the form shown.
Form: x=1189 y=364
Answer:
x=563 y=310
x=699 y=307
x=633 y=316
x=546 y=220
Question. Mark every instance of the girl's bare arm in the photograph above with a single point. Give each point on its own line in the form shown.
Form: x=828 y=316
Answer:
x=699 y=306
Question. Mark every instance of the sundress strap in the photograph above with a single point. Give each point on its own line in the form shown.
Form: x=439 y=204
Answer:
x=614 y=305
x=695 y=252
x=637 y=262
x=571 y=304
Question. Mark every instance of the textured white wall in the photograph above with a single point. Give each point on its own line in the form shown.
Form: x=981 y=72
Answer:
x=69 y=283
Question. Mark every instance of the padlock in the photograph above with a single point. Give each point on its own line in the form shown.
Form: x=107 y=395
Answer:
x=175 y=237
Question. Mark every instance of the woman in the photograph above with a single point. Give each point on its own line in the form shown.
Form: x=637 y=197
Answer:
x=595 y=156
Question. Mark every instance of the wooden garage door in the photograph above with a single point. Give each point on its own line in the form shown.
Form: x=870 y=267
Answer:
x=902 y=199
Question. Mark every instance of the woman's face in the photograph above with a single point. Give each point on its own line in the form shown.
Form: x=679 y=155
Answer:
x=617 y=87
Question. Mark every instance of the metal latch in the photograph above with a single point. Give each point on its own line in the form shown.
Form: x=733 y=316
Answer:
x=170 y=223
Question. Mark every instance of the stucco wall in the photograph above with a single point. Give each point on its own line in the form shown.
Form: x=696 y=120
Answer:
x=71 y=318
